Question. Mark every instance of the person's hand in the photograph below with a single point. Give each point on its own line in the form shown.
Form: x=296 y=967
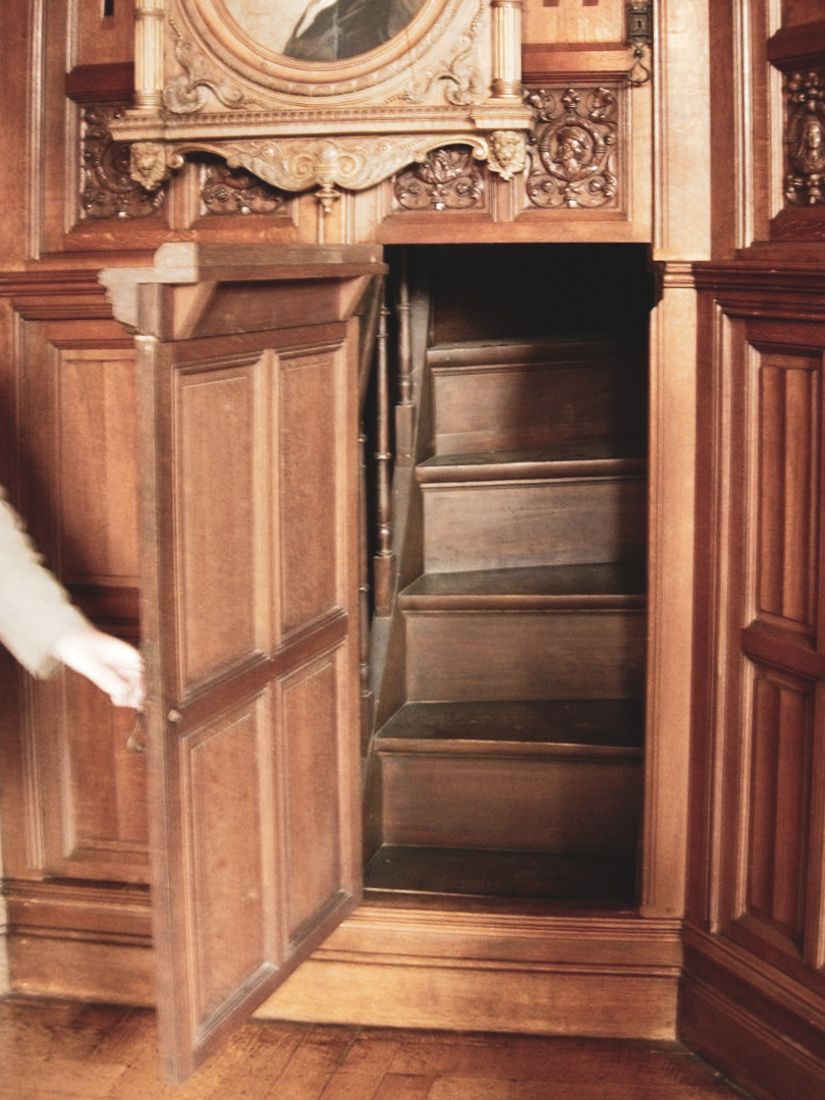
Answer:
x=110 y=663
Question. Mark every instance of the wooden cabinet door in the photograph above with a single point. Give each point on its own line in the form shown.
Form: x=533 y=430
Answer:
x=248 y=419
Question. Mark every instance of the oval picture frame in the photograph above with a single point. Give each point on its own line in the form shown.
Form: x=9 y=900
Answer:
x=400 y=56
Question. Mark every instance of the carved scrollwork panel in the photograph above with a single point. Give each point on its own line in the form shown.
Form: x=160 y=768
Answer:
x=459 y=76
x=447 y=179
x=575 y=148
x=294 y=164
x=108 y=189
x=189 y=91
x=805 y=138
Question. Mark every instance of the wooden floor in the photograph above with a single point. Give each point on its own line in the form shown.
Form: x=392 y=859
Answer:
x=59 y=1051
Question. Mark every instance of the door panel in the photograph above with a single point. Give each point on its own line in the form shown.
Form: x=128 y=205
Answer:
x=250 y=594
x=755 y=934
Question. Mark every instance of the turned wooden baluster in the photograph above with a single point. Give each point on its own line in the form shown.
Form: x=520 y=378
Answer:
x=364 y=595
x=404 y=411
x=384 y=558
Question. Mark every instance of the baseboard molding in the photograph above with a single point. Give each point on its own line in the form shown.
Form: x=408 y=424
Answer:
x=386 y=966
x=750 y=1028
x=83 y=942
x=611 y=977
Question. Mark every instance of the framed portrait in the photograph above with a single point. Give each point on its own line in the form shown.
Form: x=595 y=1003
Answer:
x=352 y=52
x=326 y=93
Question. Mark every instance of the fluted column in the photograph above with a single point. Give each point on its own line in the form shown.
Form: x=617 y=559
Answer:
x=149 y=17
x=507 y=48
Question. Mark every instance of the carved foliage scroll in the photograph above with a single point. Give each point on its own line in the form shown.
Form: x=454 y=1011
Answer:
x=805 y=138
x=108 y=189
x=226 y=190
x=575 y=148
x=448 y=179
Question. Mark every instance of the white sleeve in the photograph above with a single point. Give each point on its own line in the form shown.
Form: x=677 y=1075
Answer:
x=34 y=608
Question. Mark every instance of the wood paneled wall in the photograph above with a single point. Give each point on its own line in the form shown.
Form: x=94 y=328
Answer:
x=74 y=813
x=753 y=995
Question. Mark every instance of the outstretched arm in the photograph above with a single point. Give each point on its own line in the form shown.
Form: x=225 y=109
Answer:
x=41 y=627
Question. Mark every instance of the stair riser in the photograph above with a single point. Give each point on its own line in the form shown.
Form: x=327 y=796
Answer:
x=528 y=804
x=495 y=525
x=531 y=406
x=524 y=655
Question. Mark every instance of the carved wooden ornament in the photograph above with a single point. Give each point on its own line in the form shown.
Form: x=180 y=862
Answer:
x=805 y=138
x=575 y=148
x=280 y=94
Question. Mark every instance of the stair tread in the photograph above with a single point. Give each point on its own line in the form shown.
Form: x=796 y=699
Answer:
x=603 y=880
x=606 y=583
x=526 y=725
x=532 y=350
x=567 y=457
x=598 y=447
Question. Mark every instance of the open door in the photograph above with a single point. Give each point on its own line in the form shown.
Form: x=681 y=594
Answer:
x=247 y=363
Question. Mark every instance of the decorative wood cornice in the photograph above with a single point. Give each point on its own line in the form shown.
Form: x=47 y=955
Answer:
x=112 y=83
x=55 y=295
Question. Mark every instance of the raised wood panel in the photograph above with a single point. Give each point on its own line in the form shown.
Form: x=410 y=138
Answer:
x=780 y=797
x=309 y=703
x=103 y=821
x=755 y=924
x=97 y=473
x=80 y=807
x=311 y=446
x=230 y=855
x=218 y=492
x=789 y=433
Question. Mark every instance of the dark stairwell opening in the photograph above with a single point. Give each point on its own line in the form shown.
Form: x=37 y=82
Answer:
x=507 y=761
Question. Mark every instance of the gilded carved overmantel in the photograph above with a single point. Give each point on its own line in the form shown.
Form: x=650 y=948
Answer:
x=300 y=107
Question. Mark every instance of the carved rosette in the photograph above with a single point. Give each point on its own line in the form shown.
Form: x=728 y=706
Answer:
x=226 y=190
x=108 y=190
x=447 y=179
x=575 y=148
x=805 y=138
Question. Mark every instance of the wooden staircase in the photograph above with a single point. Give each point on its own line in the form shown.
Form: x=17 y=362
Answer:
x=514 y=767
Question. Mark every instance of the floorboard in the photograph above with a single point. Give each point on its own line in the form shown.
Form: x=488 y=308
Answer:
x=56 y=1051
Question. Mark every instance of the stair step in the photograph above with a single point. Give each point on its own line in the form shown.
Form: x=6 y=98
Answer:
x=585 y=800
x=510 y=524
x=511 y=654
x=558 y=727
x=567 y=458
x=600 y=880
x=597 y=585
x=490 y=396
